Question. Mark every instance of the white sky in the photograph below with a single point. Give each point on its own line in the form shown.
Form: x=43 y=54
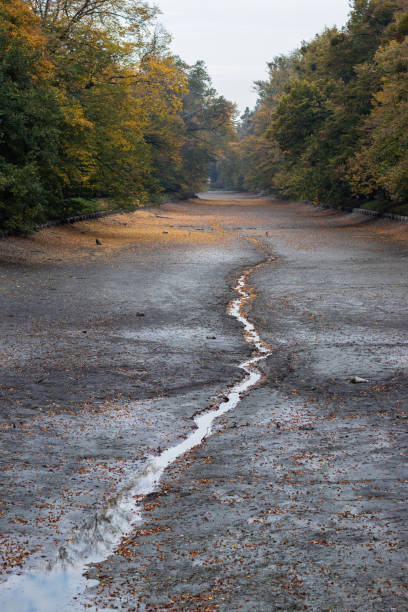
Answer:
x=237 y=37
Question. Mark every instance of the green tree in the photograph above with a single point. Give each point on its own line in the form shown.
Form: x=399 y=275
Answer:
x=312 y=114
x=208 y=126
x=380 y=168
x=30 y=119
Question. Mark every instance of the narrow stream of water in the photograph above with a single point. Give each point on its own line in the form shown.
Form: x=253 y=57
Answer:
x=53 y=588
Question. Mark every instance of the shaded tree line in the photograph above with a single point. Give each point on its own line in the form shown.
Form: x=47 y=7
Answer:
x=94 y=106
x=331 y=121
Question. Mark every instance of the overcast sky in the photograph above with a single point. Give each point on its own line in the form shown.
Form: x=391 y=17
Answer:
x=237 y=37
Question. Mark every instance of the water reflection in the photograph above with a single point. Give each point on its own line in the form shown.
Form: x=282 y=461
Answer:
x=44 y=592
x=56 y=590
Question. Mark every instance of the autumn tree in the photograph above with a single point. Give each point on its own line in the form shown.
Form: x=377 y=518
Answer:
x=379 y=169
x=330 y=122
x=30 y=120
x=93 y=105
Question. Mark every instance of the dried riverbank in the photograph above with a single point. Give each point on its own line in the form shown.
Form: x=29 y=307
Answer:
x=298 y=501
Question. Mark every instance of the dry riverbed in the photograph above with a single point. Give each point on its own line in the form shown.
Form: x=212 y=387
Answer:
x=298 y=499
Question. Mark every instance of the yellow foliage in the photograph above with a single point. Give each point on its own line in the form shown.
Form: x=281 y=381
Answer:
x=21 y=26
x=21 y=23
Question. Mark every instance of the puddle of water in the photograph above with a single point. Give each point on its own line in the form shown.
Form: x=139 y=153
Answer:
x=53 y=588
x=44 y=592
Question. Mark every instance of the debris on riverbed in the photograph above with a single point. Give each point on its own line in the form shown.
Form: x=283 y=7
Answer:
x=296 y=501
x=307 y=427
x=357 y=380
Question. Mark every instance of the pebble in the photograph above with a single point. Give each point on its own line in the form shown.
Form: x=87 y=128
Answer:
x=356 y=380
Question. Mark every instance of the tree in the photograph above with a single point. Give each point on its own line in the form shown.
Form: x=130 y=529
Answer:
x=207 y=128
x=380 y=168
x=30 y=118
x=330 y=121
x=64 y=16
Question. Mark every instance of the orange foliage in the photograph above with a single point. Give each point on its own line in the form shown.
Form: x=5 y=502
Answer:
x=20 y=23
x=21 y=26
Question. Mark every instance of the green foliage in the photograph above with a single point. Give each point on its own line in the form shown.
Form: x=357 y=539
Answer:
x=381 y=163
x=207 y=129
x=299 y=115
x=93 y=105
x=29 y=122
x=331 y=122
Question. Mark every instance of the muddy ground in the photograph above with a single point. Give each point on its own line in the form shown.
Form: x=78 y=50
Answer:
x=298 y=500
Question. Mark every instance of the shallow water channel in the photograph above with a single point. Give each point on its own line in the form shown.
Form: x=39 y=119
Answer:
x=57 y=584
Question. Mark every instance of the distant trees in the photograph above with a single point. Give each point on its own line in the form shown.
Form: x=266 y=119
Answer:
x=331 y=120
x=207 y=126
x=92 y=104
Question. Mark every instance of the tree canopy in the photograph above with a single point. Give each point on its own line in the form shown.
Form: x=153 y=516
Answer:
x=94 y=105
x=330 y=125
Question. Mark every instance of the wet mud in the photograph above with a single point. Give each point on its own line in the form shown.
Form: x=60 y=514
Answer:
x=298 y=500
